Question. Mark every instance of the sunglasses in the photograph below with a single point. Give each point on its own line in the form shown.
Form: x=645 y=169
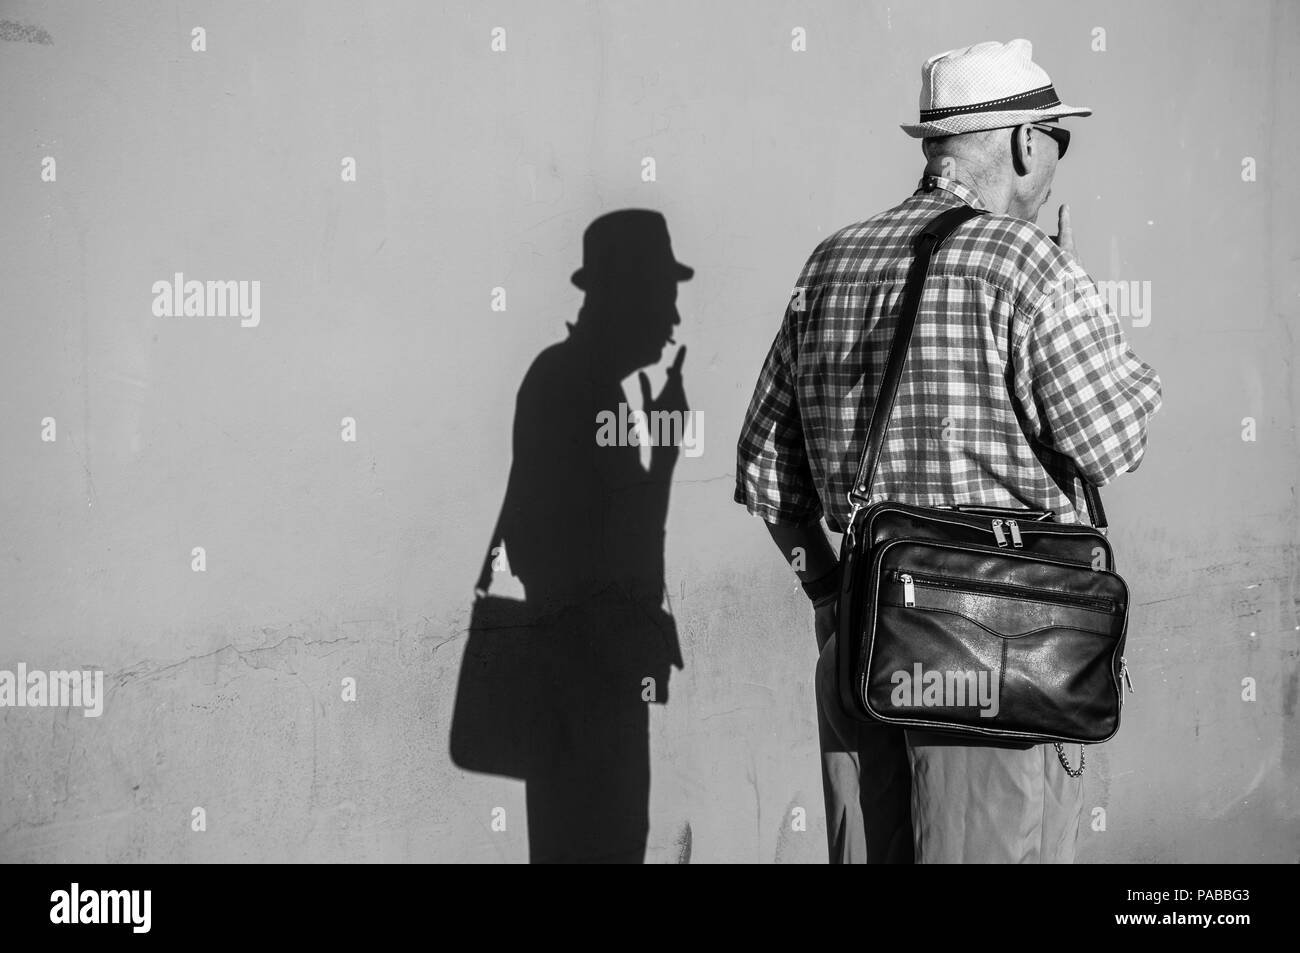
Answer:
x=1061 y=136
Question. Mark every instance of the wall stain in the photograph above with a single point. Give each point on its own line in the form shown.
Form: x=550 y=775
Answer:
x=684 y=845
x=1289 y=692
x=13 y=32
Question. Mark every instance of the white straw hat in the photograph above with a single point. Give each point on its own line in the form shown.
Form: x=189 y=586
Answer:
x=986 y=86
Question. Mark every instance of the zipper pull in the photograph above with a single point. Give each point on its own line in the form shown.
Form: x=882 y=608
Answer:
x=1016 y=541
x=1128 y=679
x=909 y=589
x=997 y=533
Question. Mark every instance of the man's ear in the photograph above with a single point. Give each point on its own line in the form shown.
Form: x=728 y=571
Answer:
x=1020 y=149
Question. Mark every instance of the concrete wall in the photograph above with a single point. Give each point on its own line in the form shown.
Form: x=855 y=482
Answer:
x=328 y=559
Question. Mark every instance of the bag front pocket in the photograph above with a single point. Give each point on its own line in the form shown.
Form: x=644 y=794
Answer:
x=993 y=643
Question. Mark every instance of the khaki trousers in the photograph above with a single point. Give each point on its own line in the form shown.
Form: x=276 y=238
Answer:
x=900 y=796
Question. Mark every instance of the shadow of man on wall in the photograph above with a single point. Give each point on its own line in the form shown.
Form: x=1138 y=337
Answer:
x=556 y=689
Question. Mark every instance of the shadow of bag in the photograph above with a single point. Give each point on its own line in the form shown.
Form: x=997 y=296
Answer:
x=499 y=694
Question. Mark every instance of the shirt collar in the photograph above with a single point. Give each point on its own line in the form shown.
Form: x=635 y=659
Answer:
x=964 y=192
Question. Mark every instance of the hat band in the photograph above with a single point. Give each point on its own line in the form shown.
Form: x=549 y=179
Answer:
x=1041 y=98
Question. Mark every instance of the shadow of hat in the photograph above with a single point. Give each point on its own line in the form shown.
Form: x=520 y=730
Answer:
x=628 y=245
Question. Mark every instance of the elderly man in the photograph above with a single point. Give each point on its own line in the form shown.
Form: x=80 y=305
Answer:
x=1020 y=384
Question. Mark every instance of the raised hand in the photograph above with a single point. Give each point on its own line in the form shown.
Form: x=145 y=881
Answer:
x=1064 y=236
x=671 y=398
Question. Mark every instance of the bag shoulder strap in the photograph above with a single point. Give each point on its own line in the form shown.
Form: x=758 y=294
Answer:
x=930 y=237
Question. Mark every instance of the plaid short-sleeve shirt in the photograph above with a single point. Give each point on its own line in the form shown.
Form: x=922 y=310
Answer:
x=1019 y=378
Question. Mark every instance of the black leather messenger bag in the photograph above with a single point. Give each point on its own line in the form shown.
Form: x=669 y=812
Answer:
x=983 y=621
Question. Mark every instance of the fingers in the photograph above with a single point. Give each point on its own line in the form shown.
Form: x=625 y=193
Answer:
x=677 y=361
x=674 y=375
x=1064 y=230
x=1065 y=234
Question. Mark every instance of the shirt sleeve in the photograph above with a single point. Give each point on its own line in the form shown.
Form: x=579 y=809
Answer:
x=773 y=478
x=1085 y=393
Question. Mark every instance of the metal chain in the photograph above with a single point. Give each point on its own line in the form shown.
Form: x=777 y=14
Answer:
x=1060 y=754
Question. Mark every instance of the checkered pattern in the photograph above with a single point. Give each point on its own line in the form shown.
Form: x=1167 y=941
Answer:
x=1019 y=377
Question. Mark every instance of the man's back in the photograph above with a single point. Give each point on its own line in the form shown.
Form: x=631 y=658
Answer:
x=1019 y=381
x=1017 y=372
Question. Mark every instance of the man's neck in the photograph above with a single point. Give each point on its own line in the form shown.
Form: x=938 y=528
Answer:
x=995 y=195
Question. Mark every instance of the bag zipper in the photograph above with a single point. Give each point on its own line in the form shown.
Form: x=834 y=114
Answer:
x=1123 y=670
x=1033 y=516
x=999 y=535
x=1013 y=527
x=910 y=581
